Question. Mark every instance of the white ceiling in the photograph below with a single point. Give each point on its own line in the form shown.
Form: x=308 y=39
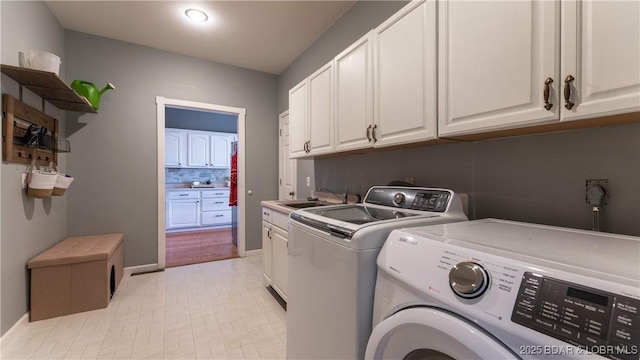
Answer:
x=260 y=35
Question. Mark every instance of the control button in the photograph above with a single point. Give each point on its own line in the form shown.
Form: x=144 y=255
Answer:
x=569 y=333
x=628 y=306
x=625 y=334
x=468 y=279
x=399 y=199
x=621 y=319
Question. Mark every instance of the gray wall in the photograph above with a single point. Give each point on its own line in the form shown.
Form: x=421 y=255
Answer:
x=27 y=225
x=537 y=178
x=357 y=21
x=114 y=152
x=200 y=120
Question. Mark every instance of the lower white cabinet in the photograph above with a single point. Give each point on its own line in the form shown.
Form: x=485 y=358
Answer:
x=279 y=248
x=267 y=262
x=275 y=250
x=183 y=213
x=194 y=208
x=214 y=208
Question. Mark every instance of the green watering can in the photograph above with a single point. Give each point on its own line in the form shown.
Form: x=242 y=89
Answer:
x=90 y=91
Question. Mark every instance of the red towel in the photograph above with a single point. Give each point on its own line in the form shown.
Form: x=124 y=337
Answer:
x=233 y=191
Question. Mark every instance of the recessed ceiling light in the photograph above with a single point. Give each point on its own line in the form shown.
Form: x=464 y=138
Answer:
x=196 y=15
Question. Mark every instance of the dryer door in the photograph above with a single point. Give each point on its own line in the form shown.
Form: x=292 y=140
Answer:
x=426 y=333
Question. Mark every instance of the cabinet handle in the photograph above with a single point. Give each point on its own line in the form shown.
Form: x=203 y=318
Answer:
x=291 y=193
x=567 y=92
x=547 y=82
x=308 y=146
x=184 y=195
x=265 y=213
x=373 y=133
x=219 y=215
x=219 y=202
x=269 y=233
x=369 y=133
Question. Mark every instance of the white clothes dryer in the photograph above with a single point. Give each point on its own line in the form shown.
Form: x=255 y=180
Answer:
x=496 y=289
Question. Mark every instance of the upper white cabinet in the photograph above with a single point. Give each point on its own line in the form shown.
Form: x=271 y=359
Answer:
x=174 y=147
x=405 y=76
x=354 y=96
x=494 y=60
x=220 y=151
x=197 y=149
x=311 y=114
x=298 y=120
x=512 y=64
x=601 y=52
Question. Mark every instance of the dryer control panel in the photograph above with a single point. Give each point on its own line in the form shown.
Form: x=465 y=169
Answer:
x=599 y=321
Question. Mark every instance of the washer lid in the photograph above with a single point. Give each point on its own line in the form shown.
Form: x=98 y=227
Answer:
x=428 y=333
x=360 y=214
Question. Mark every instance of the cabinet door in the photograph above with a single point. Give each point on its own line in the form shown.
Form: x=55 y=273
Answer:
x=601 y=51
x=220 y=151
x=183 y=213
x=298 y=120
x=280 y=261
x=320 y=129
x=287 y=167
x=494 y=58
x=267 y=260
x=197 y=150
x=354 y=96
x=405 y=76
x=173 y=142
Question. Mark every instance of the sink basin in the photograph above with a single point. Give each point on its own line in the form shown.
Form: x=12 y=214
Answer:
x=303 y=205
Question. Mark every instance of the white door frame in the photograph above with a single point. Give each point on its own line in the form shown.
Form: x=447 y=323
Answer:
x=161 y=103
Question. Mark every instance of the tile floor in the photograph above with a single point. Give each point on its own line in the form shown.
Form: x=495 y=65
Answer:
x=215 y=310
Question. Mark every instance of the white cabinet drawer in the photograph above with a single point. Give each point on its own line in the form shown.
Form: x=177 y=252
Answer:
x=280 y=220
x=222 y=217
x=214 y=204
x=266 y=214
x=215 y=194
x=172 y=195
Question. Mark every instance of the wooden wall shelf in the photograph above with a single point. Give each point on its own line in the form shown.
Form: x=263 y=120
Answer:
x=17 y=117
x=49 y=87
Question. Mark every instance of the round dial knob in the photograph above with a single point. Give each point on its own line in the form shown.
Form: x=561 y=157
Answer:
x=399 y=198
x=468 y=279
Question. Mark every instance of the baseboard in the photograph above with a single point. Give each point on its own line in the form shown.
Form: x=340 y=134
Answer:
x=11 y=333
x=140 y=269
x=253 y=252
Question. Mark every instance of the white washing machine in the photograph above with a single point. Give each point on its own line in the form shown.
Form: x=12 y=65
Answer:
x=495 y=289
x=332 y=265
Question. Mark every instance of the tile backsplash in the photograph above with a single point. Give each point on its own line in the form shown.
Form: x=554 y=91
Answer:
x=182 y=176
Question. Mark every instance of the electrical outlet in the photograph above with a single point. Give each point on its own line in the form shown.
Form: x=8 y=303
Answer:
x=308 y=181
x=603 y=183
x=411 y=181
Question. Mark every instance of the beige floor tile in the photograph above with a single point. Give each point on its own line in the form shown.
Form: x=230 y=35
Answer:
x=217 y=310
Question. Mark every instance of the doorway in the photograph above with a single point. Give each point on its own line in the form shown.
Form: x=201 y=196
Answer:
x=161 y=105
